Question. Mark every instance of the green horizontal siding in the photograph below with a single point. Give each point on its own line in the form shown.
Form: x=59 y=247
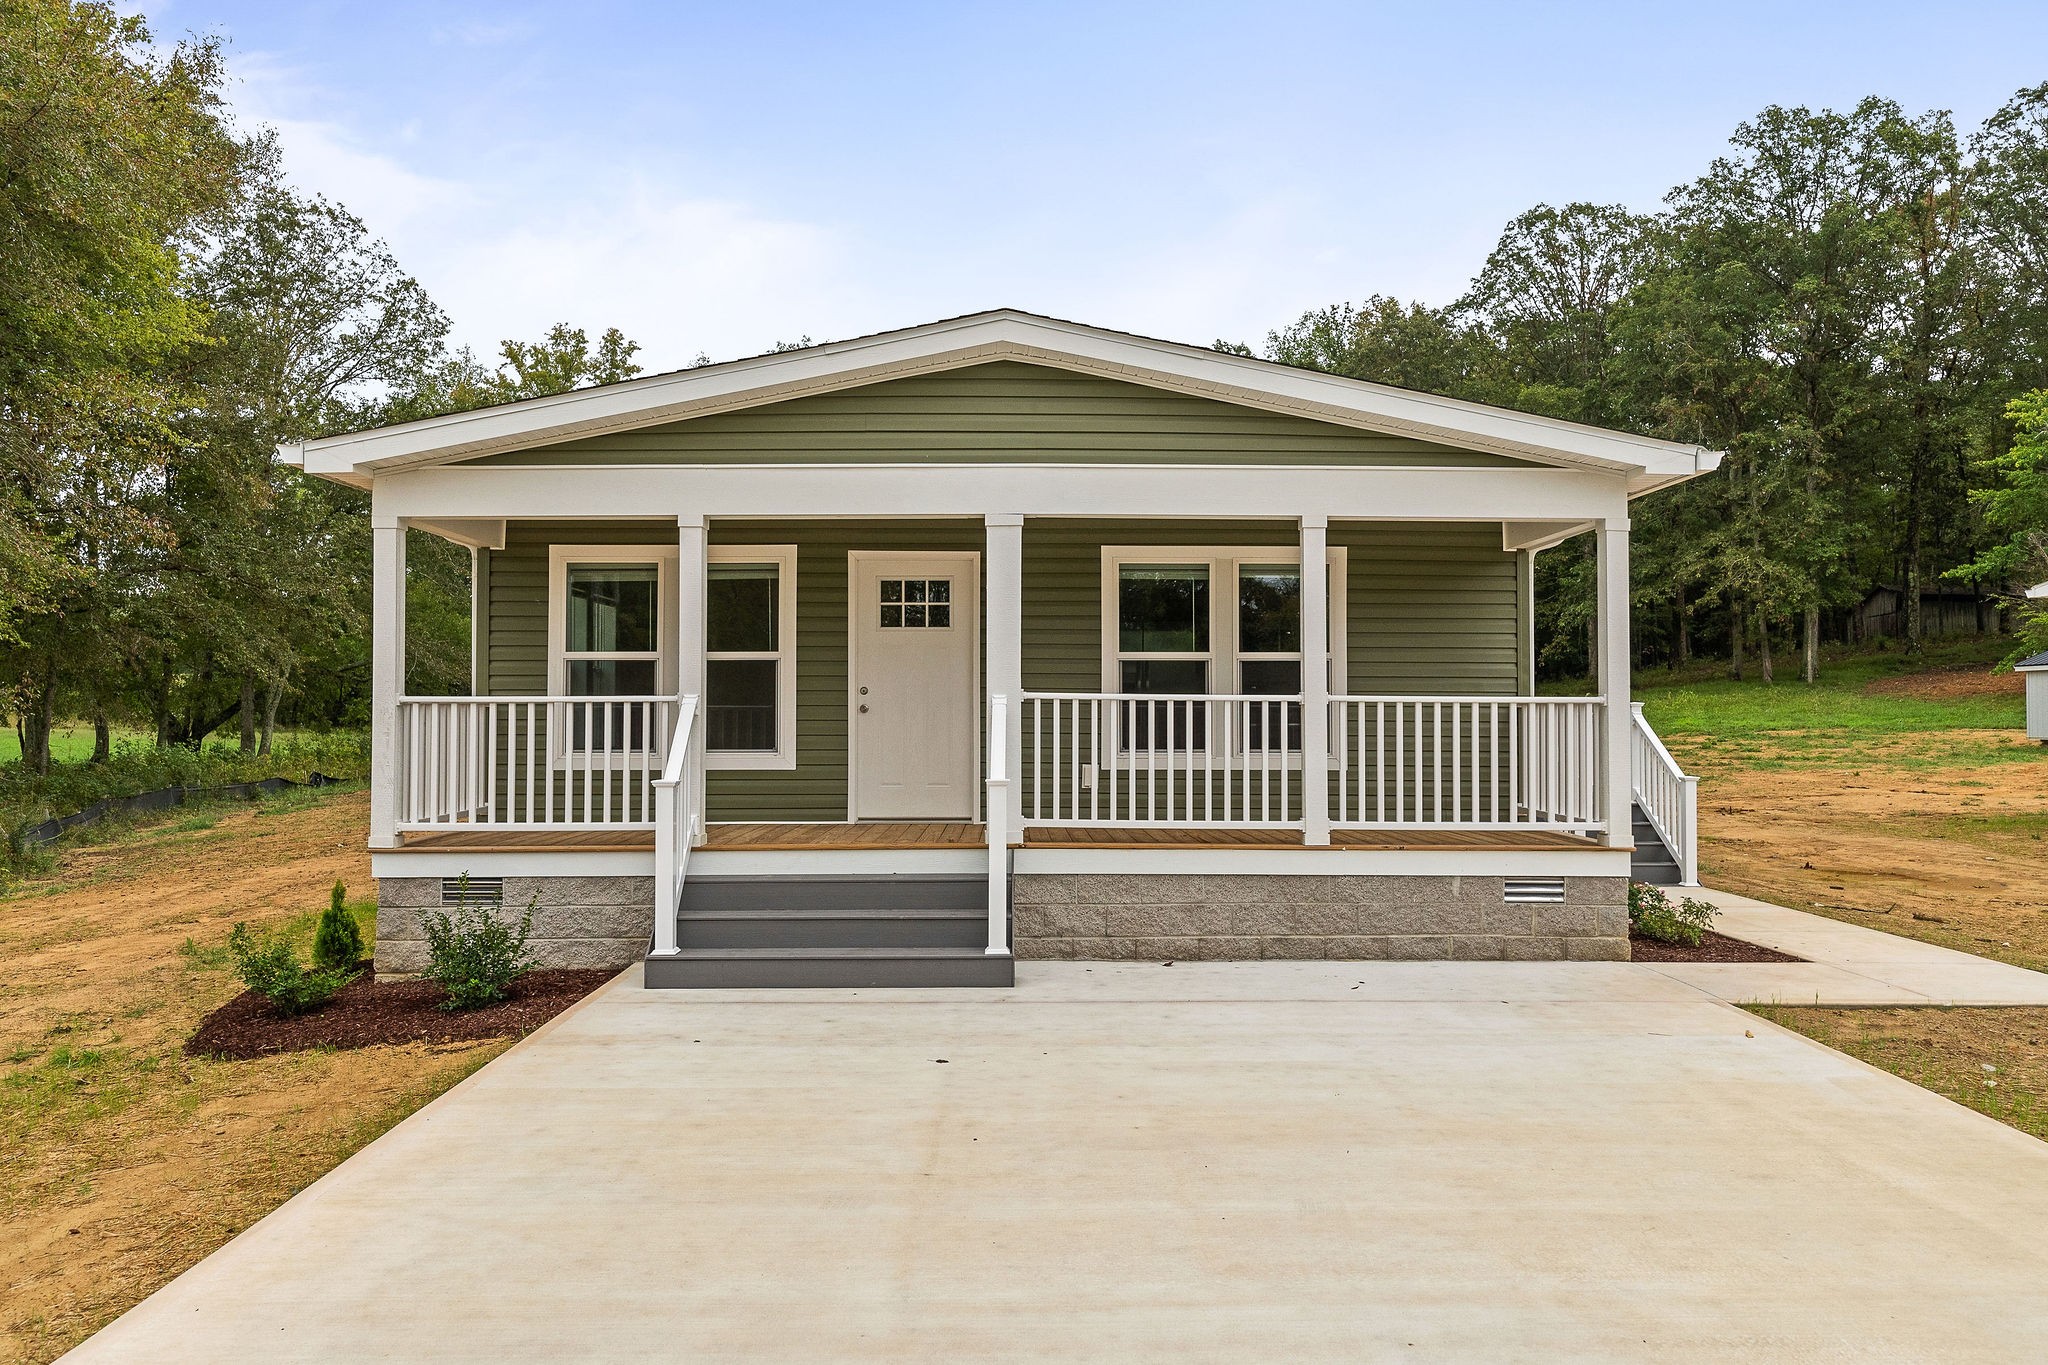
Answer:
x=1003 y=412
x=1431 y=608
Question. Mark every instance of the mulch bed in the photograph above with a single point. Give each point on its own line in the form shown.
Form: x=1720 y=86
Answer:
x=365 y=1013
x=1713 y=948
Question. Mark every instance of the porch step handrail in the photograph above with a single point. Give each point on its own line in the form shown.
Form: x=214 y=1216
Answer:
x=678 y=822
x=1668 y=795
x=1134 y=759
x=1467 y=762
x=530 y=762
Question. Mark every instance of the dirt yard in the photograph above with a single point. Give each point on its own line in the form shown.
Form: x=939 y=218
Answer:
x=122 y=1162
x=1907 y=842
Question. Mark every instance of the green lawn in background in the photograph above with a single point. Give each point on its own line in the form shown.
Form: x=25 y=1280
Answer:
x=69 y=743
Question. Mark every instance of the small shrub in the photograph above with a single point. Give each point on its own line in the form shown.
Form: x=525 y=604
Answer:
x=1653 y=914
x=338 y=945
x=271 y=969
x=473 y=954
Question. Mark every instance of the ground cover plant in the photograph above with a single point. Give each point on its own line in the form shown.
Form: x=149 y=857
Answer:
x=1654 y=913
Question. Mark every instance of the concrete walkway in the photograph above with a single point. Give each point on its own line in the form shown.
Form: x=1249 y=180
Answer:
x=1203 y=1162
x=1846 y=964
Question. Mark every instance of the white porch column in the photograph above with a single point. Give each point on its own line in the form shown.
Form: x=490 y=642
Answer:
x=1611 y=570
x=387 y=673
x=1315 y=680
x=690 y=610
x=1005 y=588
x=1525 y=578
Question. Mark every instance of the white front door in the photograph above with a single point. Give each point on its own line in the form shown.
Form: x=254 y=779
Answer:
x=915 y=685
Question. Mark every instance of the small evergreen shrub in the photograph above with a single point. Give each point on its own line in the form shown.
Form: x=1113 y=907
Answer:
x=270 y=968
x=1653 y=914
x=338 y=945
x=474 y=954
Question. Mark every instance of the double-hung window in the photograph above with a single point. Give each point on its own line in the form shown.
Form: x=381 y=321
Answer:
x=611 y=636
x=1195 y=621
x=750 y=656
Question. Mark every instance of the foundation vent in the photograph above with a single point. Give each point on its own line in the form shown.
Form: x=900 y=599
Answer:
x=1535 y=891
x=475 y=891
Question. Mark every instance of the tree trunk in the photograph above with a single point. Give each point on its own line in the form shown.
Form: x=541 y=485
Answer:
x=1735 y=640
x=271 y=695
x=1763 y=647
x=1812 y=644
x=1684 y=655
x=102 y=737
x=248 y=715
x=37 y=716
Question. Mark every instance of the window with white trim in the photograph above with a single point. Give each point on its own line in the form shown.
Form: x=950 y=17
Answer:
x=750 y=656
x=1191 y=621
x=610 y=634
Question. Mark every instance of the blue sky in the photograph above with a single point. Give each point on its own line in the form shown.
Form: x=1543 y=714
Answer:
x=715 y=178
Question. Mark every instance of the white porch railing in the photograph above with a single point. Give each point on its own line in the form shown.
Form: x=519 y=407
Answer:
x=1669 y=797
x=678 y=821
x=1468 y=763
x=531 y=762
x=1129 y=758
x=1474 y=763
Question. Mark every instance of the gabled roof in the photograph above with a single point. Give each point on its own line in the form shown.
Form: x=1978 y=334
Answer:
x=979 y=338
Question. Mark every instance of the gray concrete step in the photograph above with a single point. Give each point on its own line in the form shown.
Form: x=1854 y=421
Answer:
x=809 y=894
x=1652 y=861
x=832 y=968
x=832 y=928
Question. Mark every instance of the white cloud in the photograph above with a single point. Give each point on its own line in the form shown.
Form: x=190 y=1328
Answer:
x=583 y=243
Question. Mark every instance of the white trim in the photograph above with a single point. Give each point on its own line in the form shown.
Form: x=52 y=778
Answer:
x=563 y=862
x=1279 y=493
x=783 y=756
x=978 y=339
x=1323 y=862
x=1224 y=562
x=970 y=598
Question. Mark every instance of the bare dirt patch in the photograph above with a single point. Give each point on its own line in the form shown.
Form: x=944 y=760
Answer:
x=366 y=1013
x=122 y=1160
x=1954 y=855
x=1993 y=1060
x=1948 y=684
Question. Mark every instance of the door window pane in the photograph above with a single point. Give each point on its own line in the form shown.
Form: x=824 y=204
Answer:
x=740 y=602
x=1163 y=608
x=1269 y=609
x=612 y=608
x=739 y=704
x=917 y=603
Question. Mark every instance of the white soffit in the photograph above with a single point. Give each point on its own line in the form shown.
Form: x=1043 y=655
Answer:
x=979 y=339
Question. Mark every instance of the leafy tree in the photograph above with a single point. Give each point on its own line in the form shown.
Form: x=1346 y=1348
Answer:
x=112 y=154
x=2016 y=508
x=1411 y=346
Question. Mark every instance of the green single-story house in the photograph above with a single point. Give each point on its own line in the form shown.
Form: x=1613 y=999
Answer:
x=894 y=660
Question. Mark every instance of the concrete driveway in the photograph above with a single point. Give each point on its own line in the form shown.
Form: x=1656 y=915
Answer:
x=1258 y=1161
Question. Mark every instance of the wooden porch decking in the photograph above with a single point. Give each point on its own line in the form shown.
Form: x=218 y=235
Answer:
x=871 y=835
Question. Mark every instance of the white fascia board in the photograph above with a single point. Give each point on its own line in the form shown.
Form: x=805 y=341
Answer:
x=475 y=533
x=1531 y=493
x=977 y=340
x=2038 y=590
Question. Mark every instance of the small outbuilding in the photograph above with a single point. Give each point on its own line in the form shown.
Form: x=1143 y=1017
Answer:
x=2035 y=670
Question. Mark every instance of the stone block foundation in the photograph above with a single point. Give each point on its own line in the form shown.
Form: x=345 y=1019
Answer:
x=1149 y=916
x=577 y=921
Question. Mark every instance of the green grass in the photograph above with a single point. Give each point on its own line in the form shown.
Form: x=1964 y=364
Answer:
x=1834 y=721
x=70 y=742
